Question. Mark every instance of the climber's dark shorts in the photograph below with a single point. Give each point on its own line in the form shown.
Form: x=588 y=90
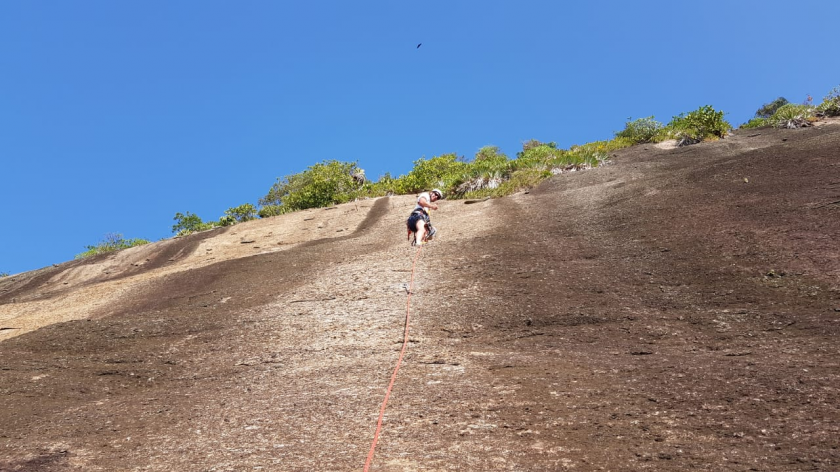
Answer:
x=416 y=216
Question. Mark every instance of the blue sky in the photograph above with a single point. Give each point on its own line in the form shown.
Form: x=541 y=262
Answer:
x=116 y=115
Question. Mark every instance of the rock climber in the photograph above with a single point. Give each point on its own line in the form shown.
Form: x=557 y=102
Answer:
x=419 y=219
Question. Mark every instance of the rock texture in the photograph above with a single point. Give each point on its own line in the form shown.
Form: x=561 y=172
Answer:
x=675 y=309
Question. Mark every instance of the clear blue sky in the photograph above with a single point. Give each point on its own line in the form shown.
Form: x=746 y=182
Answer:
x=116 y=115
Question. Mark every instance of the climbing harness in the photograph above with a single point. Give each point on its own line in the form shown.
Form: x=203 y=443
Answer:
x=411 y=224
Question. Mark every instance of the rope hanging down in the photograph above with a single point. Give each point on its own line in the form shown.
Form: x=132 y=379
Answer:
x=399 y=361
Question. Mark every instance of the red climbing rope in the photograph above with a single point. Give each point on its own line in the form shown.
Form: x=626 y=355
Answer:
x=399 y=361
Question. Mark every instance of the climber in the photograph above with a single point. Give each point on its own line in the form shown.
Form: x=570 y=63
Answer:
x=419 y=219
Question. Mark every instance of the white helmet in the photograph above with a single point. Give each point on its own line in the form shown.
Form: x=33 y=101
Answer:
x=438 y=192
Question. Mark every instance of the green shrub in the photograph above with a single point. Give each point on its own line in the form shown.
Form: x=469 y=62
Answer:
x=614 y=144
x=792 y=116
x=533 y=144
x=3 y=274
x=488 y=170
x=473 y=182
x=268 y=211
x=549 y=158
x=768 y=109
x=604 y=147
x=189 y=223
x=523 y=179
x=830 y=105
x=489 y=154
x=640 y=131
x=536 y=155
x=698 y=125
x=519 y=180
x=386 y=185
x=621 y=143
x=244 y=212
x=444 y=172
x=226 y=220
x=323 y=184
x=756 y=123
x=488 y=160
x=112 y=242
x=588 y=155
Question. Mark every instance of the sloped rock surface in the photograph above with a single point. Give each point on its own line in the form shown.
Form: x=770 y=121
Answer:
x=676 y=309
